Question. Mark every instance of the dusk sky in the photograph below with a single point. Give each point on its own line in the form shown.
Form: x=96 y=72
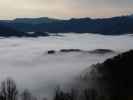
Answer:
x=64 y=8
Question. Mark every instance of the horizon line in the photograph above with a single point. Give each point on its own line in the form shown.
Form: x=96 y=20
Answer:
x=65 y=18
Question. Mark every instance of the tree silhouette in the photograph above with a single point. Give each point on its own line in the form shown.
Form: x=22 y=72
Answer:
x=26 y=95
x=8 y=90
x=90 y=94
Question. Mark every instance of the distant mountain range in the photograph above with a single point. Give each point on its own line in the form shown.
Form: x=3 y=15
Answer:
x=106 y=26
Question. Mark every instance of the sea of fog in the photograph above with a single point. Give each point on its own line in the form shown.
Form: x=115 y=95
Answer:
x=27 y=62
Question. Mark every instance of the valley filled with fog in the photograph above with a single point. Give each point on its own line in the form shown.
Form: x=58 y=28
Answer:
x=26 y=59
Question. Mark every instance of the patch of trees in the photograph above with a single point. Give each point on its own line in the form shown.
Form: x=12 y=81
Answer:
x=9 y=91
x=96 y=51
x=117 y=73
x=101 y=51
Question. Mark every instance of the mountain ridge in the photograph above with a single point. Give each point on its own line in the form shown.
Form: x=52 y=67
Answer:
x=107 y=26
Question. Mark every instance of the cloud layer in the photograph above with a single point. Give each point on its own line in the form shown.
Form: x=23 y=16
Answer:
x=26 y=60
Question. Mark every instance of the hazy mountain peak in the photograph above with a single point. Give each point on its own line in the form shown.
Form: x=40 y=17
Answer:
x=34 y=20
x=131 y=16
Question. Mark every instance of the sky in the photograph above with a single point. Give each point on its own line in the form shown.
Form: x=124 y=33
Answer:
x=64 y=8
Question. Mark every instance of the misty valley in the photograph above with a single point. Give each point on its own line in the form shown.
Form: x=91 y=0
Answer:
x=66 y=49
x=44 y=64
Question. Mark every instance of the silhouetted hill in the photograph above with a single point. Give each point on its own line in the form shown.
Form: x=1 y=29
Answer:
x=113 y=26
x=114 y=75
x=34 y=20
x=107 y=26
x=117 y=74
x=6 y=31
